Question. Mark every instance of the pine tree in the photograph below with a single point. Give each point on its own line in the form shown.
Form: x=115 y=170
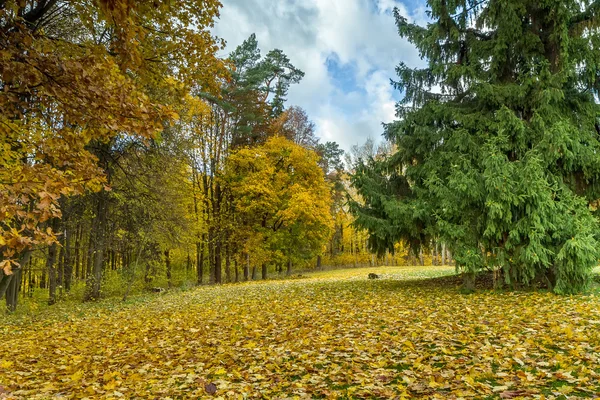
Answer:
x=498 y=141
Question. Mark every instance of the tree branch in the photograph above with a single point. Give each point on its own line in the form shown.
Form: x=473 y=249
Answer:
x=586 y=15
x=38 y=12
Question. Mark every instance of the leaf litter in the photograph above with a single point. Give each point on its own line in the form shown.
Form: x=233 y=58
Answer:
x=330 y=335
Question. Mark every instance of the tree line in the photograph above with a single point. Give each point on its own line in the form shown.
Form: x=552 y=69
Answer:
x=134 y=156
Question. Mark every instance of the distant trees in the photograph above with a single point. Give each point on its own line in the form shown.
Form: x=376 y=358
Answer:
x=117 y=124
x=500 y=163
x=280 y=201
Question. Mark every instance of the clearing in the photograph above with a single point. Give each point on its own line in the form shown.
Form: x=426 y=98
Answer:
x=325 y=335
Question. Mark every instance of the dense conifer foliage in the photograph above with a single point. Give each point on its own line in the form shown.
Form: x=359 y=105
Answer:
x=497 y=142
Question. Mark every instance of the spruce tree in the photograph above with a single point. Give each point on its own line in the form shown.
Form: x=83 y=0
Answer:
x=498 y=150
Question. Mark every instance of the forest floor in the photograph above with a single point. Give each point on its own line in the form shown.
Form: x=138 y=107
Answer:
x=332 y=334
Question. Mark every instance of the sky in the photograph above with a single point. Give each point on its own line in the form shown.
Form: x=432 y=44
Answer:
x=348 y=50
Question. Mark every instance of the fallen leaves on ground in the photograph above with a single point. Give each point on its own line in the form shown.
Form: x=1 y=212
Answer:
x=332 y=335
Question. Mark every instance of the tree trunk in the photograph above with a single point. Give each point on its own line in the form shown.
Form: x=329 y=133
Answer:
x=211 y=256
x=52 y=273
x=11 y=284
x=61 y=265
x=289 y=267
x=247 y=267
x=218 y=255
x=469 y=281
x=200 y=260
x=94 y=279
x=168 y=266
x=5 y=281
x=67 y=261
x=443 y=253
x=254 y=273
x=227 y=264
x=78 y=234
x=31 y=280
x=42 y=280
x=421 y=258
x=319 y=262
x=12 y=292
x=89 y=260
x=264 y=271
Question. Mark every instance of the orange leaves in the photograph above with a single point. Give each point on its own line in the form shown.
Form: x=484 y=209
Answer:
x=333 y=335
x=89 y=73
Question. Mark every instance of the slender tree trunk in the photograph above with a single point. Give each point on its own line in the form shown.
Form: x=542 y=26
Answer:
x=254 y=272
x=421 y=258
x=5 y=281
x=52 y=273
x=443 y=253
x=94 y=279
x=67 y=261
x=289 y=267
x=211 y=255
x=319 y=262
x=200 y=260
x=12 y=292
x=227 y=263
x=218 y=262
x=168 y=267
x=147 y=278
x=11 y=284
x=42 y=279
x=237 y=270
x=31 y=279
x=264 y=271
x=77 y=251
x=61 y=265
x=247 y=267
x=89 y=256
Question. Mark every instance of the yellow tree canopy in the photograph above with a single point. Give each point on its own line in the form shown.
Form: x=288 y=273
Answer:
x=281 y=199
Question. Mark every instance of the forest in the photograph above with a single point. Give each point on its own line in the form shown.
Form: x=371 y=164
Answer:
x=172 y=226
x=182 y=168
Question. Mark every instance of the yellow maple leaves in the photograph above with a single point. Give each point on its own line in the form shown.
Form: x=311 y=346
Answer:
x=281 y=198
x=332 y=335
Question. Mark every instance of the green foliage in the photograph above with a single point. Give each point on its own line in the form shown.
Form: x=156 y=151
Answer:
x=502 y=162
x=257 y=89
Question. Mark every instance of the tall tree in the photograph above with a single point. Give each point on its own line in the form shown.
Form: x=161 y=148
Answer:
x=80 y=73
x=501 y=162
x=241 y=115
x=281 y=202
x=294 y=125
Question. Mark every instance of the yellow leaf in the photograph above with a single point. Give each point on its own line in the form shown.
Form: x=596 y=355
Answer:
x=77 y=376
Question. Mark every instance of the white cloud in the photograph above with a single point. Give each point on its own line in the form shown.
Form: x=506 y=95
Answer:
x=361 y=33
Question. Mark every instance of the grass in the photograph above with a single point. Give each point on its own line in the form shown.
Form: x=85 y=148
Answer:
x=331 y=334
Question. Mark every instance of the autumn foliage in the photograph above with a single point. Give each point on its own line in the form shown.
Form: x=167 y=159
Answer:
x=74 y=73
x=328 y=335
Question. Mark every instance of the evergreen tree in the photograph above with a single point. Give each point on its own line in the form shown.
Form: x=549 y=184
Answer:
x=256 y=91
x=502 y=161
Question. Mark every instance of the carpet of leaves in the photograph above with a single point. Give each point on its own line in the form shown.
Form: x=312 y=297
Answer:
x=325 y=335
